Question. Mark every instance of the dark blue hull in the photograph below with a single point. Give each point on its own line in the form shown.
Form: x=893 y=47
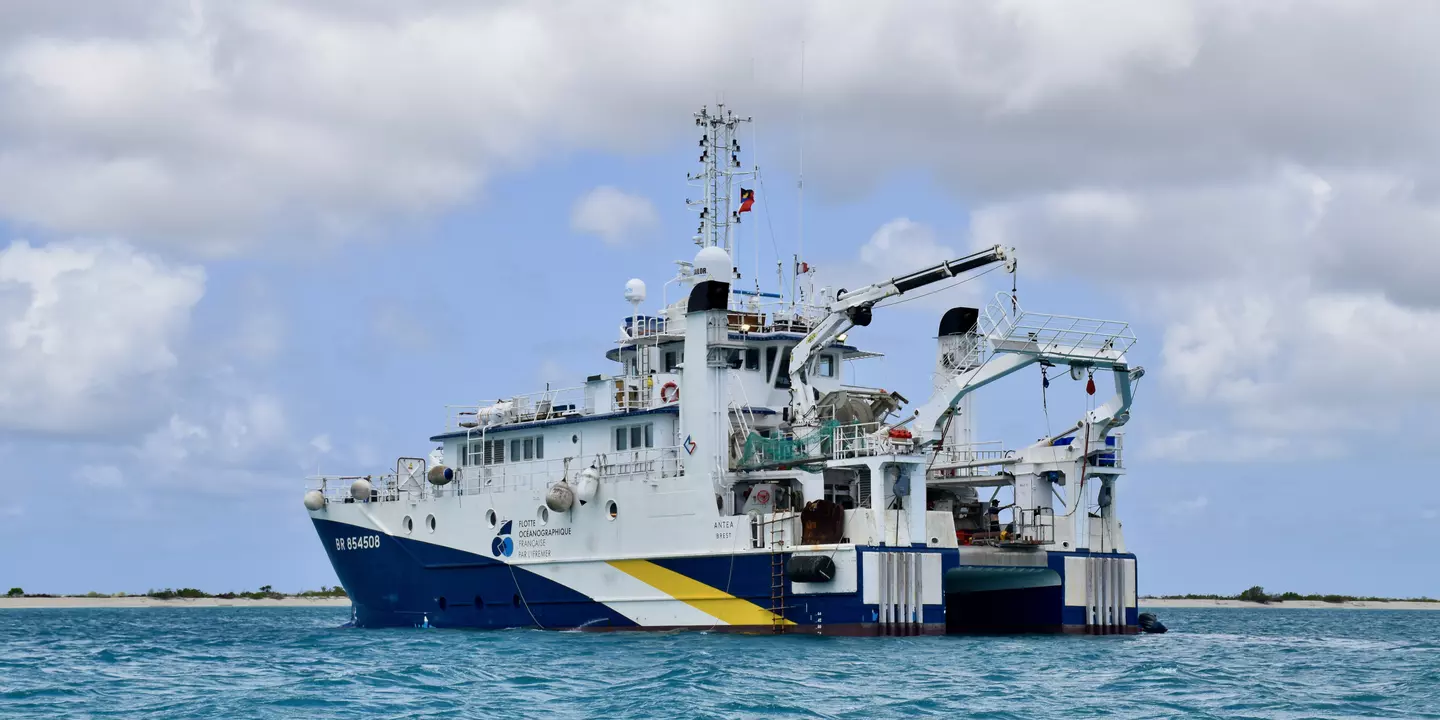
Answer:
x=404 y=582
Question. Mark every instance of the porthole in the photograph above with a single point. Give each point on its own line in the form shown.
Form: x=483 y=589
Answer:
x=409 y=525
x=479 y=603
x=1065 y=544
x=441 y=602
x=490 y=518
x=612 y=509
x=430 y=522
x=575 y=439
x=515 y=600
x=935 y=541
x=543 y=515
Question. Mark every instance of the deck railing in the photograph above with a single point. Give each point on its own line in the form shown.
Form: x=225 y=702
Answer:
x=621 y=466
x=543 y=405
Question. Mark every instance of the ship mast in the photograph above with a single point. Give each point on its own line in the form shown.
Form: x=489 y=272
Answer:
x=720 y=168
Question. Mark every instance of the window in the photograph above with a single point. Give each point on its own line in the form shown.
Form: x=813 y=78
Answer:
x=770 y=362
x=488 y=452
x=782 y=378
x=635 y=437
x=827 y=366
x=530 y=448
x=673 y=358
x=752 y=358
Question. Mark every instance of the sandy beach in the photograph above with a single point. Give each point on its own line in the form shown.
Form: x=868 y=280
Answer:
x=1289 y=605
x=9 y=603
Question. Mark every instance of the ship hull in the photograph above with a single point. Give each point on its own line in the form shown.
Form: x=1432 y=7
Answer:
x=403 y=582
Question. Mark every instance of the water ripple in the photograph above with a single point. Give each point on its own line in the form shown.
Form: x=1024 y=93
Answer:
x=285 y=663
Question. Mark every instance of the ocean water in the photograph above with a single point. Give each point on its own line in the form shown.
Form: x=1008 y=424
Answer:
x=300 y=663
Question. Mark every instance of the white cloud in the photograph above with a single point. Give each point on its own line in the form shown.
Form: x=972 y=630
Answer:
x=1284 y=312
x=903 y=245
x=321 y=443
x=203 y=123
x=899 y=247
x=614 y=216
x=86 y=329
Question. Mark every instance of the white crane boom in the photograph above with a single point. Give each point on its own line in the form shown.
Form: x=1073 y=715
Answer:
x=854 y=308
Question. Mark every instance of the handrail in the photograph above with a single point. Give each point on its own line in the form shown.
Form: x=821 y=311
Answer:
x=617 y=466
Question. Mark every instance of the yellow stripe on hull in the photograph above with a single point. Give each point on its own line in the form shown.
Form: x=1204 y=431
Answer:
x=718 y=604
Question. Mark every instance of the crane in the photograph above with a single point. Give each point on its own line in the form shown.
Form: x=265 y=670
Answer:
x=856 y=307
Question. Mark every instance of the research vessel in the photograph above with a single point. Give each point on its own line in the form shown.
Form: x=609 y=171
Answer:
x=722 y=476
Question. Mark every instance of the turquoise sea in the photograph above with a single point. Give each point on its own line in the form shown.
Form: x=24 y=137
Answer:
x=300 y=663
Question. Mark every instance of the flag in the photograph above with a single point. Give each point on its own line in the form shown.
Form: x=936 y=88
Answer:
x=747 y=199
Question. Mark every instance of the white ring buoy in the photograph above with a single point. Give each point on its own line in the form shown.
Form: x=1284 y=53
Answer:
x=669 y=393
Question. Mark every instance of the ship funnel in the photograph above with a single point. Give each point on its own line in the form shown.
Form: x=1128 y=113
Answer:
x=959 y=349
x=704 y=411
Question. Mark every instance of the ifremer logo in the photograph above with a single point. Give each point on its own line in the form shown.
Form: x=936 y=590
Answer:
x=502 y=544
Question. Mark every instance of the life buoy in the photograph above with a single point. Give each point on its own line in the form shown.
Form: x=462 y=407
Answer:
x=669 y=393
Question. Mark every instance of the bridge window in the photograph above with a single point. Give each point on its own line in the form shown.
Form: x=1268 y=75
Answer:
x=752 y=358
x=770 y=353
x=673 y=358
x=782 y=377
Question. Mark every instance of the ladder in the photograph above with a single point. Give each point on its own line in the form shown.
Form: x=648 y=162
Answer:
x=777 y=576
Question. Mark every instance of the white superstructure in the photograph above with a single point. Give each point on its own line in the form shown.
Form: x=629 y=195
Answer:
x=723 y=476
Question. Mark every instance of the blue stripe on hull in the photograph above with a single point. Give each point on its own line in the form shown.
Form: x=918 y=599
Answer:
x=402 y=583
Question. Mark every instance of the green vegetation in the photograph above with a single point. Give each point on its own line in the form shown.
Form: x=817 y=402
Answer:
x=1257 y=594
x=324 y=592
x=265 y=592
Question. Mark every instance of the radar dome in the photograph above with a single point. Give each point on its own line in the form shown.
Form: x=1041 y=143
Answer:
x=714 y=264
x=635 y=291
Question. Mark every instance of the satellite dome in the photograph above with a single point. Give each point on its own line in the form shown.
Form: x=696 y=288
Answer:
x=635 y=291
x=713 y=263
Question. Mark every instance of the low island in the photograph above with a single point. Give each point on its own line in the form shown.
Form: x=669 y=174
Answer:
x=1256 y=597
x=266 y=596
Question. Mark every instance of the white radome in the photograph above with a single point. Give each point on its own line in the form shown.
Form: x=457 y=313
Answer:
x=314 y=500
x=635 y=291
x=713 y=263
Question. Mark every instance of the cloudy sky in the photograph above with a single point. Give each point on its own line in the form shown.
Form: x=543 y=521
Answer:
x=243 y=242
